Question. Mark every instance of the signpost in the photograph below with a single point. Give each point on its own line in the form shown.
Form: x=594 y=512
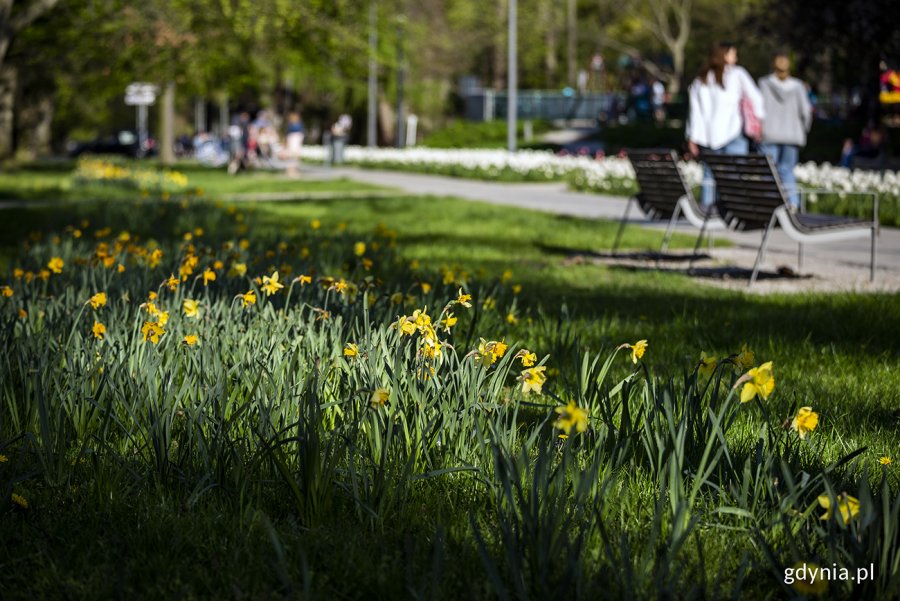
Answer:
x=141 y=95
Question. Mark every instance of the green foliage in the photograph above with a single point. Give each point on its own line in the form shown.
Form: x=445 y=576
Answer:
x=478 y=134
x=259 y=452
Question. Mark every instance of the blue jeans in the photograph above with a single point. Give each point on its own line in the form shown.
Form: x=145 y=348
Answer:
x=785 y=157
x=739 y=145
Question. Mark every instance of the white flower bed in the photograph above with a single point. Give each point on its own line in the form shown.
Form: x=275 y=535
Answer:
x=613 y=174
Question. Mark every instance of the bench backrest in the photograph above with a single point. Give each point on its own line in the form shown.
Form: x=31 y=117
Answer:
x=749 y=189
x=659 y=179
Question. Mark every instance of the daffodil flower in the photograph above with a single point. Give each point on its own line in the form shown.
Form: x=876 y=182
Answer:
x=533 y=379
x=271 y=285
x=847 y=506
x=379 y=398
x=571 y=416
x=761 y=382
x=805 y=421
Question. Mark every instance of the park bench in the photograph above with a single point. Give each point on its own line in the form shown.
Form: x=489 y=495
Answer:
x=664 y=195
x=752 y=197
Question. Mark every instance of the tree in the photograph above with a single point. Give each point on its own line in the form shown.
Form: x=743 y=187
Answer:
x=666 y=22
x=14 y=18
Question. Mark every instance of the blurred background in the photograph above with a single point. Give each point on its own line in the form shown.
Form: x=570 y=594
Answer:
x=613 y=70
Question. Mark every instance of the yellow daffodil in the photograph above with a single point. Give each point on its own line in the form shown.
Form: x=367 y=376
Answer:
x=379 y=398
x=464 y=299
x=527 y=357
x=6 y=291
x=271 y=285
x=315 y=224
x=804 y=582
x=805 y=421
x=707 y=365
x=351 y=350
x=847 y=505
x=56 y=265
x=172 y=282
x=506 y=276
x=516 y=288
x=208 y=276
x=248 y=298
x=533 y=379
x=44 y=274
x=340 y=286
x=238 y=270
x=449 y=321
x=23 y=313
x=489 y=352
x=18 y=273
x=761 y=382
x=746 y=358
x=3 y=458
x=98 y=330
x=98 y=300
x=359 y=249
x=488 y=304
x=187 y=268
x=191 y=339
x=304 y=279
x=191 y=308
x=511 y=319
x=19 y=500
x=162 y=318
x=637 y=350
x=426 y=287
x=571 y=416
x=155 y=258
x=885 y=460
x=152 y=331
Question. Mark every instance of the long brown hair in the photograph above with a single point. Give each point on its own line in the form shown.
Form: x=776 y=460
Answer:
x=715 y=62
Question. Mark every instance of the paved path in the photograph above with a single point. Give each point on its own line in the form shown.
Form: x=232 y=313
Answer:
x=835 y=266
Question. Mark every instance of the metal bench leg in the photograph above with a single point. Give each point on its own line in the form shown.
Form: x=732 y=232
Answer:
x=874 y=246
x=622 y=225
x=760 y=256
x=697 y=244
x=675 y=215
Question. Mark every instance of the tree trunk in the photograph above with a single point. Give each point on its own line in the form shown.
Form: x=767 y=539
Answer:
x=678 y=69
x=8 y=79
x=34 y=128
x=167 y=125
x=551 y=64
x=499 y=80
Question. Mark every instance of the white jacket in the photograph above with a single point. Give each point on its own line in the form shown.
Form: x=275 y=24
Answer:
x=714 y=119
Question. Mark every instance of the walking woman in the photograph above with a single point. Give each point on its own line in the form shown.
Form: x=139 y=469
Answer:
x=715 y=123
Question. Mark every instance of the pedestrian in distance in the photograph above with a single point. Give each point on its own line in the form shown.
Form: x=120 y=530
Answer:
x=716 y=123
x=789 y=115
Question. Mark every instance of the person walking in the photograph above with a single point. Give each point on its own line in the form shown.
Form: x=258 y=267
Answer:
x=715 y=121
x=789 y=116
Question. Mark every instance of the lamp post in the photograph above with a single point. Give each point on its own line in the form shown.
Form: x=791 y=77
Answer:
x=371 y=122
x=512 y=80
x=401 y=76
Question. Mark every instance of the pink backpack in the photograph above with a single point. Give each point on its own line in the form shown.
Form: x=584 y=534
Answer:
x=752 y=124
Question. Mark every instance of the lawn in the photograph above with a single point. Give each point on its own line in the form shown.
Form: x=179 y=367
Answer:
x=314 y=443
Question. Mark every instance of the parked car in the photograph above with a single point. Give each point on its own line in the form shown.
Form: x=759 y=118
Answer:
x=123 y=142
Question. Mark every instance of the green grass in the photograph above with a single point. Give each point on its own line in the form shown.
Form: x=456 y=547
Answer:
x=270 y=491
x=56 y=183
x=479 y=134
